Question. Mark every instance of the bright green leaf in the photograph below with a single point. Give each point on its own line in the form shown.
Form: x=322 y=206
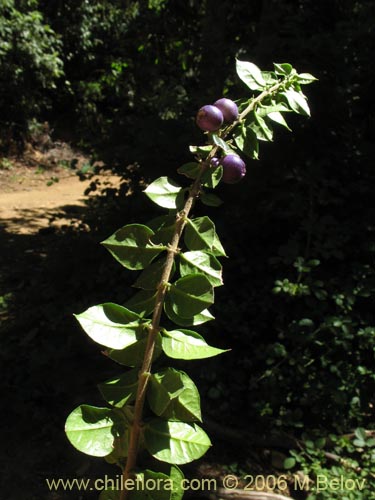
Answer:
x=277 y=117
x=250 y=74
x=297 y=102
x=200 y=234
x=221 y=143
x=283 y=69
x=120 y=390
x=306 y=78
x=212 y=177
x=198 y=319
x=175 y=442
x=164 y=192
x=132 y=246
x=92 y=430
x=186 y=344
x=198 y=261
x=269 y=77
x=260 y=127
x=134 y=354
x=111 y=325
x=173 y=395
x=190 y=295
x=248 y=143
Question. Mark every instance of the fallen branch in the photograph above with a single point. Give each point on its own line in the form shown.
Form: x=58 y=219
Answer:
x=237 y=494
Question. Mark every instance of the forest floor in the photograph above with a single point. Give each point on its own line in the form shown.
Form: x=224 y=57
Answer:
x=36 y=194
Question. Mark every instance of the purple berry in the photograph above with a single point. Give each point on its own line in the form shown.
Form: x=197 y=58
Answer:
x=209 y=118
x=233 y=169
x=215 y=162
x=228 y=108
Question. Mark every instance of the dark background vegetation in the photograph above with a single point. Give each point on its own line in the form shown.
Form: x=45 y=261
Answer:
x=123 y=79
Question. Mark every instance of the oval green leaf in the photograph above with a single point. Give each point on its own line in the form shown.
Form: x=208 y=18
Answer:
x=186 y=344
x=132 y=247
x=133 y=355
x=250 y=74
x=90 y=430
x=175 y=442
x=111 y=325
x=198 y=261
x=190 y=295
x=200 y=234
x=172 y=394
x=164 y=192
x=198 y=319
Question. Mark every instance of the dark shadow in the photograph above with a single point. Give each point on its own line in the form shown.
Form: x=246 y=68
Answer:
x=49 y=365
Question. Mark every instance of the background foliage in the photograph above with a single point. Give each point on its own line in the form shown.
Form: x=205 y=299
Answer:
x=124 y=79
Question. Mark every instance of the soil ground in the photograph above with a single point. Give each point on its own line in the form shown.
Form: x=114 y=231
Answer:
x=32 y=198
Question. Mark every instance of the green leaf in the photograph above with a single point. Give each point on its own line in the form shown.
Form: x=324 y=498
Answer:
x=248 y=143
x=269 y=77
x=212 y=177
x=360 y=433
x=270 y=108
x=219 y=142
x=198 y=261
x=177 y=478
x=150 y=277
x=211 y=200
x=163 y=486
x=198 y=319
x=92 y=430
x=200 y=234
x=164 y=228
x=173 y=395
x=297 y=102
x=306 y=78
x=190 y=170
x=283 y=69
x=175 y=442
x=164 y=192
x=111 y=325
x=260 y=127
x=118 y=391
x=277 y=117
x=250 y=74
x=289 y=463
x=142 y=302
x=190 y=295
x=186 y=344
x=132 y=246
x=134 y=354
x=200 y=150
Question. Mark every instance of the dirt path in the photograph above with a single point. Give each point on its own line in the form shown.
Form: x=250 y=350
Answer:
x=27 y=207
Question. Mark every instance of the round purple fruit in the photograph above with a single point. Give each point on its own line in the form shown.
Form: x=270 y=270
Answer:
x=209 y=118
x=233 y=169
x=228 y=108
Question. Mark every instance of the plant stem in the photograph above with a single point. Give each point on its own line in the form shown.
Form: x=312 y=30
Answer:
x=144 y=373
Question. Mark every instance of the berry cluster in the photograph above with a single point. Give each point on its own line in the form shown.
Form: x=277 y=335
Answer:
x=210 y=118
